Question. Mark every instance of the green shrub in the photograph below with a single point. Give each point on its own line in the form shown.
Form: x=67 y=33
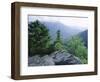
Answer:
x=76 y=47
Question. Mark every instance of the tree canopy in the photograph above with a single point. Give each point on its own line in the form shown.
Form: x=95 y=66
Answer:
x=39 y=39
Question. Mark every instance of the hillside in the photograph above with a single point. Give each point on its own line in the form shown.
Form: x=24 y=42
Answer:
x=66 y=31
x=84 y=36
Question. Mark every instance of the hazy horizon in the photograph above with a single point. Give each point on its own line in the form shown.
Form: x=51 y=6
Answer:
x=76 y=22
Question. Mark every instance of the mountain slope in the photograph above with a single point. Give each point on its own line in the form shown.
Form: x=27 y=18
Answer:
x=84 y=36
x=66 y=31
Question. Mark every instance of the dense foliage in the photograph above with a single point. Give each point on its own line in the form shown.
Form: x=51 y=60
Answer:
x=76 y=46
x=39 y=39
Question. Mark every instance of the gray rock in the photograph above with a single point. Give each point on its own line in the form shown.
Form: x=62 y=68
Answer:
x=34 y=60
x=46 y=60
x=40 y=61
x=64 y=58
x=56 y=58
x=60 y=56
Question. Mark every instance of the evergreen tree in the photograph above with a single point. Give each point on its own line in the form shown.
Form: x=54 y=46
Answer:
x=58 y=43
x=38 y=38
x=58 y=39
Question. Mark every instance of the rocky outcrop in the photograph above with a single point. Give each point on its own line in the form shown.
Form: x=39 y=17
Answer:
x=56 y=58
x=40 y=61
x=64 y=58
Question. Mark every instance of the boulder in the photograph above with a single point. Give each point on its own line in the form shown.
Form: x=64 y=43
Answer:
x=40 y=61
x=34 y=60
x=64 y=58
x=46 y=60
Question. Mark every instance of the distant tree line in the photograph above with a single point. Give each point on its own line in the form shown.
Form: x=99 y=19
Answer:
x=39 y=42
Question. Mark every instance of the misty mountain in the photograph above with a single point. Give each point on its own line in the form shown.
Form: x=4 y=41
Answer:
x=84 y=36
x=66 y=31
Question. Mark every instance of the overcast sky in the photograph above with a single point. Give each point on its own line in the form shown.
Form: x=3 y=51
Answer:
x=69 y=21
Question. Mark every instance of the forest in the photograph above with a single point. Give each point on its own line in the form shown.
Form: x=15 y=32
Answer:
x=41 y=43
